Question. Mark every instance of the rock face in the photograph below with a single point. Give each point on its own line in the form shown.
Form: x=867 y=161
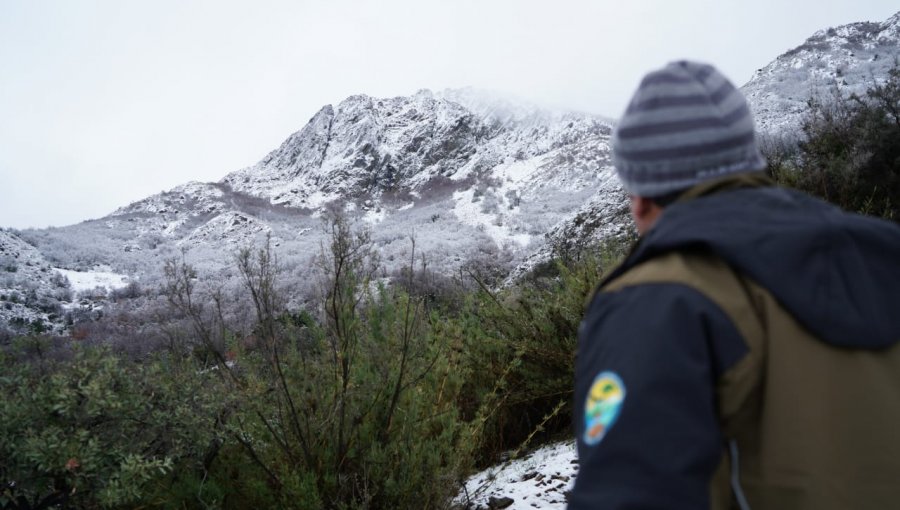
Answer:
x=846 y=59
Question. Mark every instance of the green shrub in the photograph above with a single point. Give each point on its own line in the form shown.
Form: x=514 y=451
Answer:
x=93 y=431
x=519 y=346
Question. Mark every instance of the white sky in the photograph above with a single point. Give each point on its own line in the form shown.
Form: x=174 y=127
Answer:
x=106 y=102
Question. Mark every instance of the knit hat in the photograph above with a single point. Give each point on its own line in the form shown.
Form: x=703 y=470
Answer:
x=686 y=123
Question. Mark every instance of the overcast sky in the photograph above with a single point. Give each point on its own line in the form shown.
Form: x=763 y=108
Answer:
x=106 y=102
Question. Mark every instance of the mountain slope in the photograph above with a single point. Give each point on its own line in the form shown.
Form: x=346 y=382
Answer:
x=847 y=59
x=30 y=290
x=367 y=146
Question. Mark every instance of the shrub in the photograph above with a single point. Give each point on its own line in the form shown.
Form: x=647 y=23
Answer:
x=377 y=396
x=520 y=351
x=93 y=431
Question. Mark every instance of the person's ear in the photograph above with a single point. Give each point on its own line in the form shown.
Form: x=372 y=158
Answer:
x=644 y=211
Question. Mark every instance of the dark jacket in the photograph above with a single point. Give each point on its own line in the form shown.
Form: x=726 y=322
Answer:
x=751 y=340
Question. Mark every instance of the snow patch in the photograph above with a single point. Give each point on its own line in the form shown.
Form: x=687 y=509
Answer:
x=374 y=216
x=512 y=177
x=541 y=479
x=513 y=173
x=469 y=211
x=318 y=199
x=88 y=280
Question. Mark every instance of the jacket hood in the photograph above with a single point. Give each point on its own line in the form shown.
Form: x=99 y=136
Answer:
x=837 y=273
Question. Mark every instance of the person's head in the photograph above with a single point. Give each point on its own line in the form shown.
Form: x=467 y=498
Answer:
x=685 y=124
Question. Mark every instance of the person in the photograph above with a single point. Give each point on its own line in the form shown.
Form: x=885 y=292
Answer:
x=744 y=354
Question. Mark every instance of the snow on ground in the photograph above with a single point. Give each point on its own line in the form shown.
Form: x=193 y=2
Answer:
x=541 y=479
x=172 y=226
x=374 y=216
x=513 y=173
x=88 y=280
x=318 y=198
x=512 y=177
x=468 y=210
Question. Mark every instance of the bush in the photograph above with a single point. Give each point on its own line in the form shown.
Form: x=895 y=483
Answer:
x=519 y=346
x=93 y=431
x=130 y=291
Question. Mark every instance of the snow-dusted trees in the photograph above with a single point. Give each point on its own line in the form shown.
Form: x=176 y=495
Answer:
x=850 y=150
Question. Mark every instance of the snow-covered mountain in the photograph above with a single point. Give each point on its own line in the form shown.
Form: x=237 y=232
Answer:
x=462 y=165
x=847 y=59
x=471 y=175
x=384 y=154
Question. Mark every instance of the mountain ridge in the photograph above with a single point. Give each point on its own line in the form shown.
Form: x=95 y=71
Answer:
x=367 y=145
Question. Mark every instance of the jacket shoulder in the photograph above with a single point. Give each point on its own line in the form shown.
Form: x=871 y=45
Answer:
x=707 y=274
x=742 y=301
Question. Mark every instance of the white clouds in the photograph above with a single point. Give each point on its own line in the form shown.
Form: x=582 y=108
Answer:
x=102 y=103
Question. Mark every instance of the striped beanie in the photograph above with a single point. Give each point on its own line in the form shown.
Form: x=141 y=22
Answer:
x=685 y=124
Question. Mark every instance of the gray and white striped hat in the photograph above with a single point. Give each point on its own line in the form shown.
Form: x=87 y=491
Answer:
x=686 y=123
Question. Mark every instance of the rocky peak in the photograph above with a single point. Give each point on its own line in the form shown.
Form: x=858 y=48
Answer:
x=366 y=146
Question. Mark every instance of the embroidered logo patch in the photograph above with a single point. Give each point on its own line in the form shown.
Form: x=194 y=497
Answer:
x=602 y=406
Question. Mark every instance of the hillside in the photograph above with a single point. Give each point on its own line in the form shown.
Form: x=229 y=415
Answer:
x=846 y=59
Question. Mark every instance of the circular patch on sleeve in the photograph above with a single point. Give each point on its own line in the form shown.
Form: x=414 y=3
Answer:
x=602 y=406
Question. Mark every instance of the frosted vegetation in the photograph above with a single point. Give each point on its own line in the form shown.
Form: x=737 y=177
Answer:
x=845 y=60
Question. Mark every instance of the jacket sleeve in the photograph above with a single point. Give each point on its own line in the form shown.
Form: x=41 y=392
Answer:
x=654 y=442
